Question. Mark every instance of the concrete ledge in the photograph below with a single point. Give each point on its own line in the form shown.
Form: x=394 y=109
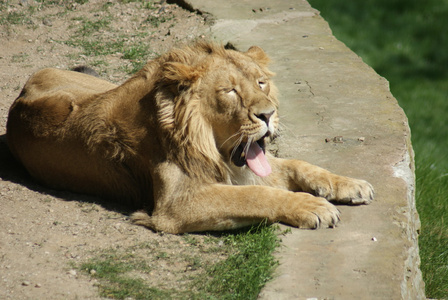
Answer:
x=339 y=114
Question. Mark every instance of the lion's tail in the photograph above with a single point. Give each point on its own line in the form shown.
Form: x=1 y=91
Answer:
x=85 y=70
x=142 y=218
x=157 y=223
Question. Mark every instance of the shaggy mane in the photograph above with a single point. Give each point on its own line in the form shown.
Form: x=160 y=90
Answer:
x=190 y=136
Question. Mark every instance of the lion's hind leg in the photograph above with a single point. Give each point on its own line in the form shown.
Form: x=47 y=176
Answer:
x=41 y=117
x=36 y=134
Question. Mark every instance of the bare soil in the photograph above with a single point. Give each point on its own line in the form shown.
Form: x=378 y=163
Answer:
x=45 y=234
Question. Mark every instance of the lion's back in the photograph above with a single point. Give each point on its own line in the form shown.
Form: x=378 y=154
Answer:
x=37 y=129
x=48 y=82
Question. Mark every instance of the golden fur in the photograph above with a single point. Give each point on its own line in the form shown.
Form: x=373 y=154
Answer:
x=173 y=140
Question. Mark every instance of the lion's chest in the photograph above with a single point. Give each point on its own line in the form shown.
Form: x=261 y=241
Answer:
x=243 y=176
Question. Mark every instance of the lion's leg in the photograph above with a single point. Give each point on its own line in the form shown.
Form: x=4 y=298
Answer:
x=296 y=175
x=221 y=207
x=31 y=121
x=38 y=137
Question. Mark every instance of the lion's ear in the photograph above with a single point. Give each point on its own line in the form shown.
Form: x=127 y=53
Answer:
x=258 y=54
x=182 y=74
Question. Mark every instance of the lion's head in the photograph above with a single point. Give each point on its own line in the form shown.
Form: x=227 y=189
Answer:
x=217 y=106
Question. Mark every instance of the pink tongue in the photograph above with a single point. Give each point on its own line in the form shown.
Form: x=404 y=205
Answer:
x=256 y=161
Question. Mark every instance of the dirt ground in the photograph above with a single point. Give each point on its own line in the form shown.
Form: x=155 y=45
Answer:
x=44 y=233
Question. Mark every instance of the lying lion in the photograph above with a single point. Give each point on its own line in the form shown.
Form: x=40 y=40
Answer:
x=184 y=139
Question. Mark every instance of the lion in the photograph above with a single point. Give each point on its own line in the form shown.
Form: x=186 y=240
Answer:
x=182 y=142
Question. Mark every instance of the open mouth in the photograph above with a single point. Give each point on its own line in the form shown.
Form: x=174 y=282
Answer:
x=252 y=155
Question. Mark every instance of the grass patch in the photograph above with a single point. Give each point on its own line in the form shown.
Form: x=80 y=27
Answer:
x=246 y=271
x=111 y=267
x=137 y=55
x=97 y=37
x=405 y=42
x=248 y=265
x=156 y=21
x=19 y=58
x=15 y=16
x=89 y=27
x=433 y=207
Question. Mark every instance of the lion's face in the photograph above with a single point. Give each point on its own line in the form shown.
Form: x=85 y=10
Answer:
x=240 y=105
x=224 y=105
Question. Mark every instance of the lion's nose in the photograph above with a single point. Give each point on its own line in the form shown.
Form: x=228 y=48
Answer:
x=265 y=116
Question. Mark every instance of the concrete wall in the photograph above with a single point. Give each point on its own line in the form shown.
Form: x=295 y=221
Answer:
x=326 y=92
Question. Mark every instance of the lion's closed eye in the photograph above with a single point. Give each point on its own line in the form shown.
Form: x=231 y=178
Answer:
x=231 y=92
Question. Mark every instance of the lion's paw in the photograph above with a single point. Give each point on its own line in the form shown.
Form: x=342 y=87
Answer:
x=312 y=212
x=347 y=190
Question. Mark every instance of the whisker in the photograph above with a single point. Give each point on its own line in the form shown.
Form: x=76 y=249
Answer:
x=247 y=146
x=282 y=127
x=232 y=136
x=237 y=144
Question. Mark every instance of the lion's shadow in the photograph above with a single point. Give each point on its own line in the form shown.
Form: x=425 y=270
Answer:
x=11 y=170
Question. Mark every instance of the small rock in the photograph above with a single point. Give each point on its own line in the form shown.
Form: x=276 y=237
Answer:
x=374 y=239
x=92 y=272
x=336 y=139
x=47 y=22
x=37 y=285
x=71 y=273
x=26 y=283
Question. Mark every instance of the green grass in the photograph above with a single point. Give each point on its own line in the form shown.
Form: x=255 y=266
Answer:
x=157 y=21
x=92 y=41
x=15 y=17
x=246 y=271
x=111 y=268
x=248 y=266
x=89 y=27
x=406 y=42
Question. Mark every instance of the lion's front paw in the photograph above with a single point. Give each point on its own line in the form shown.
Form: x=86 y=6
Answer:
x=347 y=191
x=311 y=212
